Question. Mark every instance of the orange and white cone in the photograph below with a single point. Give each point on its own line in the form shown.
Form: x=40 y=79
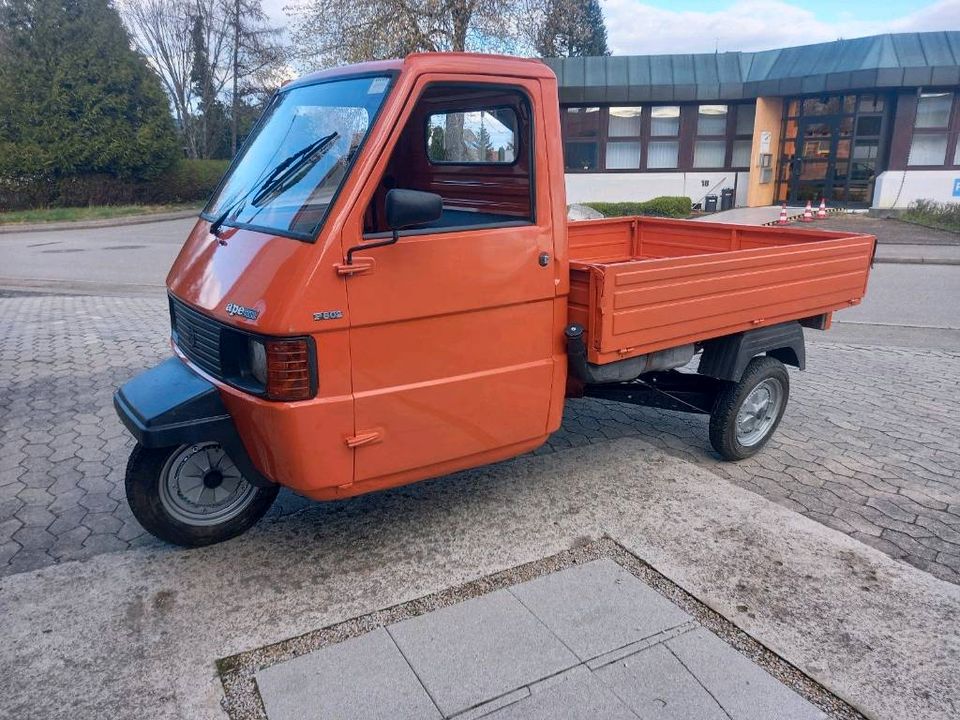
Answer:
x=807 y=213
x=782 y=220
x=822 y=212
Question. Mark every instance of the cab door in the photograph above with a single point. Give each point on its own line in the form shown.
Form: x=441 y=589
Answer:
x=451 y=328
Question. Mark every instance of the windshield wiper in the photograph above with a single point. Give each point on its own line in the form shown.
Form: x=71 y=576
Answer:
x=276 y=177
x=279 y=178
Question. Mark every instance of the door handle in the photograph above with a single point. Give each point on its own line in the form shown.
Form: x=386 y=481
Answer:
x=544 y=259
x=365 y=438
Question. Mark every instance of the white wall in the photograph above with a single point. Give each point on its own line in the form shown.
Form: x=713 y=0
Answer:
x=899 y=188
x=625 y=187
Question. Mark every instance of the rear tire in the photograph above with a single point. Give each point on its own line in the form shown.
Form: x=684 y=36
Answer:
x=192 y=495
x=746 y=414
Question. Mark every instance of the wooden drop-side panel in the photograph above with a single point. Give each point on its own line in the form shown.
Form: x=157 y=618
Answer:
x=641 y=284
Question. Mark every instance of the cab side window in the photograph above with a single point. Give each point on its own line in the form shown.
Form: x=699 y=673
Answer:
x=472 y=145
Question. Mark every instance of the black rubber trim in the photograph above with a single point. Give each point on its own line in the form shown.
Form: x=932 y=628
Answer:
x=727 y=357
x=170 y=404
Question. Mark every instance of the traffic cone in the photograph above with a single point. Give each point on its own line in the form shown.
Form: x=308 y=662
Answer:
x=807 y=213
x=822 y=212
x=782 y=220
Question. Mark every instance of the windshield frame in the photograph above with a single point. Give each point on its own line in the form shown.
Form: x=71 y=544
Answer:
x=312 y=236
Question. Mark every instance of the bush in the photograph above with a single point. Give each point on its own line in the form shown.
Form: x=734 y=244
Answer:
x=664 y=206
x=938 y=215
x=75 y=99
x=186 y=181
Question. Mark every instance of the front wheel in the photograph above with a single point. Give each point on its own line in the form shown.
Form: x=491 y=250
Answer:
x=746 y=414
x=193 y=495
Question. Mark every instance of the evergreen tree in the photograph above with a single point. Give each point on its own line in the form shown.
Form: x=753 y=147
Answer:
x=572 y=28
x=74 y=98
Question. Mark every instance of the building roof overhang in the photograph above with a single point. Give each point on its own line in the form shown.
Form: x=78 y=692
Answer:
x=883 y=62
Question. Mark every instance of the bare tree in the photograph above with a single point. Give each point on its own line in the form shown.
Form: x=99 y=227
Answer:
x=571 y=28
x=204 y=51
x=329 y=32
x=161 y=31
x=258 y=55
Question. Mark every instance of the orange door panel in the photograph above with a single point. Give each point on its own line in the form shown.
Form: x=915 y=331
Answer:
x=451 y=347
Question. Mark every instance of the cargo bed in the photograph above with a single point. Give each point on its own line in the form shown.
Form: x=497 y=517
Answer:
x=640 y=284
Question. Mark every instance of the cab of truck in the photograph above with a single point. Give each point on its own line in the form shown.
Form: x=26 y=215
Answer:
x=377 y=288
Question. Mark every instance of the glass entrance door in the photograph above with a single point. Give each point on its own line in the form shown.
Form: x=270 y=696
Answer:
x=832 y=147
x=813 y=166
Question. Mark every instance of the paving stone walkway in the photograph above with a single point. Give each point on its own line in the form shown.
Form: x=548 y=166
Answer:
x=870 y=443
x=591 y=641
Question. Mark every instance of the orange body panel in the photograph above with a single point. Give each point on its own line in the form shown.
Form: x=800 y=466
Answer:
x=450 y=350
x=642 y=284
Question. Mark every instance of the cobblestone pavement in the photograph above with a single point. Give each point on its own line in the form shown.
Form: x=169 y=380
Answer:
x=870 y=443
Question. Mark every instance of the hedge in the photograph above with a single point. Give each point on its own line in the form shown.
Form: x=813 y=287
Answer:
x=663 y=206
x=186 y=181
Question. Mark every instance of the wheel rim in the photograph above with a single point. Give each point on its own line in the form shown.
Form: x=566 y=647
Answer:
x=759 y=412
x=201 y=486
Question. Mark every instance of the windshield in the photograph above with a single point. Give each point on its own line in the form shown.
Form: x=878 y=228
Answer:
x=298 y=157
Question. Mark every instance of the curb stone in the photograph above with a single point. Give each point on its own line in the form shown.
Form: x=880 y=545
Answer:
x=90 y=224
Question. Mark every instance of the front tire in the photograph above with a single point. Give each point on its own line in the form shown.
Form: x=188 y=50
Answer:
x=193 y=495
x=746 y=414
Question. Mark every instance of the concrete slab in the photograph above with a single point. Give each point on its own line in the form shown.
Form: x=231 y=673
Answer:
x=655 y=685
x=364 y=678
x=598 y=607
x=472 y=652
x=579 y=697
x=136 y=634
x=742 y=688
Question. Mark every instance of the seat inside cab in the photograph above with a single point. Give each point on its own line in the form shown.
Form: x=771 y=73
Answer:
x=470 y=144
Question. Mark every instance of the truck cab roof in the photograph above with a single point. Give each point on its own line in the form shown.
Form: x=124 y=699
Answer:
x=475 y=63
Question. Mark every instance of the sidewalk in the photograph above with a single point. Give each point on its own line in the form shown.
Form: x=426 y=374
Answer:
x=918 y=254
x=156 y=632
x=937 y=249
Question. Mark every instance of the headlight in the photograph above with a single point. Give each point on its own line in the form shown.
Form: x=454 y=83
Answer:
x=258 y=361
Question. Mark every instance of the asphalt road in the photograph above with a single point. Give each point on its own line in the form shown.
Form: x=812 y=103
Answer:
x=136 y=258
x=128 y=257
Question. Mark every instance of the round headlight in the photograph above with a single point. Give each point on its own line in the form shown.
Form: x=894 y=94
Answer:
x=258 y=361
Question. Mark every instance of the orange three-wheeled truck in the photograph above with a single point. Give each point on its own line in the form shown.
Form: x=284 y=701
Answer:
x=385 y=288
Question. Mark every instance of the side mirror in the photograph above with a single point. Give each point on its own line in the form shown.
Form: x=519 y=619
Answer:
x=404 y=209
x=408 y=208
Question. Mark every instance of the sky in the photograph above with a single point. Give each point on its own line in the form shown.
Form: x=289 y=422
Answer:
x=647 y=27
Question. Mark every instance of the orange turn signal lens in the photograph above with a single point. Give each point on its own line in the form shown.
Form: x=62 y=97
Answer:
x=288 y=370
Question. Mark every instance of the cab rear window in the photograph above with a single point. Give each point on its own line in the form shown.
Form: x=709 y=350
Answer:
x=473 y=136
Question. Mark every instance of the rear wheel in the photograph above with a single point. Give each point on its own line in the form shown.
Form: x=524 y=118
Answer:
x=193 y=495
x=746 y=414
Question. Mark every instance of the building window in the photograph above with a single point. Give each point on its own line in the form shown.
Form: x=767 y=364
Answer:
x=710 y=147
x=623 y=138
x=663 y=150
x=928 y=149
x=581 y=131
x=712 y=120
x=933 y=135
x=933 y=110
x=665 y=120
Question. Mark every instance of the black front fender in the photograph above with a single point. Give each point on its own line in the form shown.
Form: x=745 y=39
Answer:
x=171 y=405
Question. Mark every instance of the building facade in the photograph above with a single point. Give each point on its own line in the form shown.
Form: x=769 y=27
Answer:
x=868 y=122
